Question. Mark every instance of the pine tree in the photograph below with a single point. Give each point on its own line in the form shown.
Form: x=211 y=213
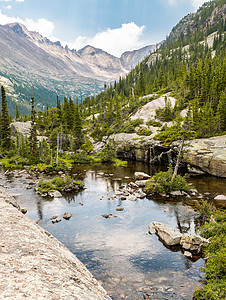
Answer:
x=33 y=134
x=17 y=113
x=77 y=130
x=5 y=121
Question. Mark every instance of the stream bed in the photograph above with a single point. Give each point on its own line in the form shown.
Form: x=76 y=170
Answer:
x=128 y=262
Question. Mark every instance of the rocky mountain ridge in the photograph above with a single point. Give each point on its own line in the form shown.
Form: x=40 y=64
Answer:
x=208 y=14
x=28 y=58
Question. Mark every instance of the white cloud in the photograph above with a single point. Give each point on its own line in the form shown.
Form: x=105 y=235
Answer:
x=19 y=0
x=5 y=0
x=9 y=6
x=43 y=26
x=172 y=2
x=114 y=41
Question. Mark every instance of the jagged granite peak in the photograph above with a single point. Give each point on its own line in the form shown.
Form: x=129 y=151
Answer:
x=88 y=61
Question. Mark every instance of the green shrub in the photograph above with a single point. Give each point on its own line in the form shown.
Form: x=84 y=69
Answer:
x=57 y=184
x=108 y=154
x=205 y=209
x=14 y=162
x=162 y=183
x=215 y=252
x=83 y=158
x=45 y=186
x=154 y=123
x=144 y=131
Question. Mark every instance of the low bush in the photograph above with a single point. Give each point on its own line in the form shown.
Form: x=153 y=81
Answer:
x=57 y=184
x=144 y=131
x=154 y=123
x=215 y=253
x=162 y=183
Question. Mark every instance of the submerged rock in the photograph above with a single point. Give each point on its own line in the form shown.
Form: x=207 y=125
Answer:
x=119 y=208
x=108 y=216
x=67 y=215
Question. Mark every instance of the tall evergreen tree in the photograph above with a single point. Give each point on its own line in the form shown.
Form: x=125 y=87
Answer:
x=5 y=121
x=33 y=133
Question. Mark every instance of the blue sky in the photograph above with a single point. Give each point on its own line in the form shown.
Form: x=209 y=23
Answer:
x=112 y=25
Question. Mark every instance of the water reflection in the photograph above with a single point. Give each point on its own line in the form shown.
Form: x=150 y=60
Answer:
x=39 y=209
x=119 y=252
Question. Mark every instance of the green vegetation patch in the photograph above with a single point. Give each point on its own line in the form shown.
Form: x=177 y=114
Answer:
x=58 y=184
x=215 y=252
x=162 y=183
x=144 y=131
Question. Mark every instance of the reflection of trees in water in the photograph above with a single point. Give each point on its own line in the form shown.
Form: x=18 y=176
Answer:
x=39 y=208
x=183 y=224
x=187 y=263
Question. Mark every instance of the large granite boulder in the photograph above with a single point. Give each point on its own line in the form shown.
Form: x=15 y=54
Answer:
x=131 y=146
x=167 y=234
x=23 y=129
x=207 y=155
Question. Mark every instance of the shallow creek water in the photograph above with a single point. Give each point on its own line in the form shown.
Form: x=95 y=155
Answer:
x=129 y=262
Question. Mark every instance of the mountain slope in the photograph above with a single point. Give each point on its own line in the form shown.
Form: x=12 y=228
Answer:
x=29 y=58
x=191 y=64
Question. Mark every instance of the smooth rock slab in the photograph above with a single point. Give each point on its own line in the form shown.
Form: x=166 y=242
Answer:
x=169 y=236
x=220 y=198
x=141 y=176
x=35 y=265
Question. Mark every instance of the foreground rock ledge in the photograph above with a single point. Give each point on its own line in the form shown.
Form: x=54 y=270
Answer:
x=35 y=265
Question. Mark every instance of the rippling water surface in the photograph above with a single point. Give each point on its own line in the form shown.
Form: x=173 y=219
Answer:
x=130 y=263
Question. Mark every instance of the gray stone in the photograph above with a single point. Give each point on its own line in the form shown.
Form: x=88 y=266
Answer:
x=119 y=208
x=141 y=176
x=207 y=155
x=56 y=194
x=220 y=198
x=151 y=228
x=36 y=265
x=169 y=236
x=67 y=215
x=141 y=183
x=193 y=243
x=133 y=185
x=176 y=193
x=132 y=198
x=187 y=254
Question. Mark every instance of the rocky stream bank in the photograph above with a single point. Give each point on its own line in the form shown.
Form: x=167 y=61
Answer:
x=35 y=265
x=201 y=156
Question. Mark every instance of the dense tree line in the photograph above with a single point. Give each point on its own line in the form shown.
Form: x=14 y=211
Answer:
x=187 y=65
